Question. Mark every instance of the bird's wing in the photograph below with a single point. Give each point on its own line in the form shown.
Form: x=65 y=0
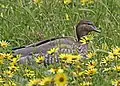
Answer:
x=42 y=42
x=36 y=44
x=42 y=47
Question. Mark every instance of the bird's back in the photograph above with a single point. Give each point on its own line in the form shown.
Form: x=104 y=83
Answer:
x=65 y=45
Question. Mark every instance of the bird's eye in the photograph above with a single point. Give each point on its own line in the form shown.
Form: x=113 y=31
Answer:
x=89 y=23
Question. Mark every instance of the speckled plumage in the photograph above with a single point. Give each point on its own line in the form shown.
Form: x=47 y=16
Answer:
x=65 y=45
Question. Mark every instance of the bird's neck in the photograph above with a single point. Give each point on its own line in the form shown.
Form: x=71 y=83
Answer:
x=81 y=34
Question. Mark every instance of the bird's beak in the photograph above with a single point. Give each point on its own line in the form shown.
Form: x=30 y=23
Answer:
x=96 y=29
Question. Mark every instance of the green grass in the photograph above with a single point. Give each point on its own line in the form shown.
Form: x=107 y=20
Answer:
x=23 y=22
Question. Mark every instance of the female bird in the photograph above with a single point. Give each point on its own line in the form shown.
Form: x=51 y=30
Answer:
x=60 y=44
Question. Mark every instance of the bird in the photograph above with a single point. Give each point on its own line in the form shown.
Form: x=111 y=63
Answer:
x=65 y=44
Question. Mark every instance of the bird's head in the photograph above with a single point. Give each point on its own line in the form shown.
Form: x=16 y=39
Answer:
x=84 y=27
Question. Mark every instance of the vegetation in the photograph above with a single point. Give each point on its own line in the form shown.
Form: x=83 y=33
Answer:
x=24 y=22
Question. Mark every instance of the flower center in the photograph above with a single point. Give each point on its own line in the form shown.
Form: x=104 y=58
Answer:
x=61 y=79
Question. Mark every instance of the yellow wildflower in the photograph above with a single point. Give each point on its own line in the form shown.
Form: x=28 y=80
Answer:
x=76 y=57
x=34 y=82
x=86 y=84
x=59 y=70
x=86 y=39
x=29 y=73
x=39 y=59
x=106 y=60
x=69 y=58
x=46 y=81
x=66 y=58
x=8 y=56
x=81 y=73
x=9 y=73
x=61 y=79
x=2 y=80
x=91 y=55
x=116 y=82
x=92 y=64
x=10 y=83
x=14 y=61
x=1 y=61
x=52 y=70
x=112 y=56
x=52 y=51
x=37 y=1
x=83 y=2
x=13 y=68
x=4 y=44
x=91 y=71
x=2 y=56
x=116 y=51
x=67 y=1
x=117 y=68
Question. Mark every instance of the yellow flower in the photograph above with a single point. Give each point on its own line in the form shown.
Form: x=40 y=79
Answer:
x=39 y=59
x=83 y=2
x=37 y=1
x=106 y=60
x=66 y=58
x=34 y=82
x=2 y=56
x=86 y=84
x=29 y=73
x=61 y=79
x=67 y=17
x=9 y=73
x=46 y=81
x=14 y=61
x=60 y=70
x=52 y=51
x=8 y=56
x=56 y=70
x=13 y=68
x=91 y=55
x=112 y=56
x=52 y=70
x=69 y=58
x=10 y=83
x=92 y=64
x=117 y=68
x=1 y=61
x=67 y=1
x=1 y=80
x=116 y=82
x=4 y=44
x=86 y=39
x=91 y=71
x=116 y=51
x=76 y=57
x=81 y=73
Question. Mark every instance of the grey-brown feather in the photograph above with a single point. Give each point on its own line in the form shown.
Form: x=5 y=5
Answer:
x=65 y=45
